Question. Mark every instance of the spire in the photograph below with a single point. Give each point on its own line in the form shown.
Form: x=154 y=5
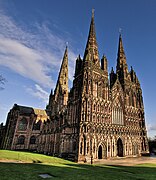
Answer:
x=62 y=82
x=78 y=66
x=91 y=51
x=121 y=52
x=104 y=63
x=121 y=58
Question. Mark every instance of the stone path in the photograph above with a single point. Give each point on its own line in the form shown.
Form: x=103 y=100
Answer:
x=127 y=161
x=117 y=161
x=10 y=161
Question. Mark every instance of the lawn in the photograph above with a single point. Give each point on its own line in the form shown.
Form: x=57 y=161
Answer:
x=36 y=164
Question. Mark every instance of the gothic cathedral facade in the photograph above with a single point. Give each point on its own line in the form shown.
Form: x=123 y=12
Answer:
x=102 y=116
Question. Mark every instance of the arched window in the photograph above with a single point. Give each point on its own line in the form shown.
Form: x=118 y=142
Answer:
x=84 y=146
x=37 y=125
x=33 y=140
x=22 y=125
x=87 y=147
x=117 y=115
x=81 y=148
x=103 y=93
x=21 y=139
x=95 y=89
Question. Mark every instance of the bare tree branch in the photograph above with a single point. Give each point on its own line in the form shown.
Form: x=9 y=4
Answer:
x=2 y=82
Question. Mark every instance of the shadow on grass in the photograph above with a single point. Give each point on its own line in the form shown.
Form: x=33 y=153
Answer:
x=18 y=171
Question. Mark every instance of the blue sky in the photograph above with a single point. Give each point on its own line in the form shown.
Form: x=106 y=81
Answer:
x=33 y=36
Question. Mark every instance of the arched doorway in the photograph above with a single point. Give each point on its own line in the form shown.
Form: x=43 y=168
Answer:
x=100 y=152
x=119 y=148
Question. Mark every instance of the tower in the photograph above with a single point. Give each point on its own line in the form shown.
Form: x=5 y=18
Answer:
x=127 y=103
x=88 y=105
x=59 y=99
x=121 y=68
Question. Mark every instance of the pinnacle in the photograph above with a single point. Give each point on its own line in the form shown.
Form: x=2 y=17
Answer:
x=112 y=70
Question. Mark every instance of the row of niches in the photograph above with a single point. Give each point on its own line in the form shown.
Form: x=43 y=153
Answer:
x=104 y=108
x=98 y=118
x=134 y=101
x=103 y=130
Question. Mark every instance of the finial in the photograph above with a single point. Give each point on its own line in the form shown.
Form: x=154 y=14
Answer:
x=79 y=57
x=120 y=31
x=66 y=44
x=93 y=10
x=51 y=93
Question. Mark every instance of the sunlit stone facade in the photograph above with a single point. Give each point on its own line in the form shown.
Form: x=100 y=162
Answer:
x=102 y=116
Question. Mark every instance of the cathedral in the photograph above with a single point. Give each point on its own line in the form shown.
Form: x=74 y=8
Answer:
x=101 y=117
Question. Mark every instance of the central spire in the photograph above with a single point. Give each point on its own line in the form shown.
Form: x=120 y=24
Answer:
x=121 y=52
x=91 y=51
x=121 y=58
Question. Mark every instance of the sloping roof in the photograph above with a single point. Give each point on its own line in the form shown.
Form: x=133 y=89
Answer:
x=25 y=110
x=40 y=112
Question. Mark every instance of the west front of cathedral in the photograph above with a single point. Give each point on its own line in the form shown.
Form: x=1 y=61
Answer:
x=101 y=117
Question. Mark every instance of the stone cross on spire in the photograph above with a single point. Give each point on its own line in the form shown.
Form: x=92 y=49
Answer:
x=93 y=10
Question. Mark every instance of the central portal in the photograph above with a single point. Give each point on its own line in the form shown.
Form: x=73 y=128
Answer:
x=119 y=148
x=100 y=152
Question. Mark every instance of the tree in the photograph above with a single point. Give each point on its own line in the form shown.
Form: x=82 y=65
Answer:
x=2 y=82
x=152 y=145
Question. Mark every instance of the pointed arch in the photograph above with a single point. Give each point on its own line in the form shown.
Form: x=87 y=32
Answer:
x=32 y=140
x=100 y=152
x=21 y=140
x=117 y=103
x=117 y=112
x=84 y=144
x=22 y=125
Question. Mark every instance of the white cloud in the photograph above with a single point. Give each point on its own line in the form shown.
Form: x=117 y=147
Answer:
x=39 y=92
x=151 y=127
x=23 y=60
x=33 y=54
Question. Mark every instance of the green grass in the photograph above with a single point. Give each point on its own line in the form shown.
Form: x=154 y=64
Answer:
x=29 y=157
x=66 y=170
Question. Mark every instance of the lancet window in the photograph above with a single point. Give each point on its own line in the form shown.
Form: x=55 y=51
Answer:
x=117 y=115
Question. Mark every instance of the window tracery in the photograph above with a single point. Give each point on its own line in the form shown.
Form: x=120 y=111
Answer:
x=21 y=140
x=117 y=115
x=33 y=140
x=22 y=125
